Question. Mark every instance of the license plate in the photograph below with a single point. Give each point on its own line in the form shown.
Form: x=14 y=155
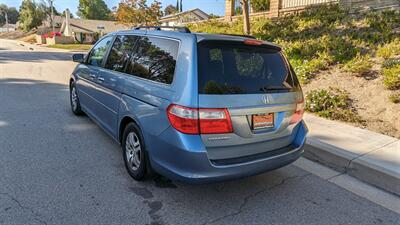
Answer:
x=262 y=121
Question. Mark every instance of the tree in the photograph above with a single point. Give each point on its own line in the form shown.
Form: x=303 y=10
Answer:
x=46 y=8
x=31 y=15
x=3 y=11
x=260 y=5
x=70 y=14
x=12 y=14
x=179 y=5
x=137 y=12
x=238 y=7
x=246 y=19
x=49 y=10
x=213 y=16
x=93 y=9
x=170 y=9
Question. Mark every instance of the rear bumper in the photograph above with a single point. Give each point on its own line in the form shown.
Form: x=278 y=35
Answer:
x=184 y=158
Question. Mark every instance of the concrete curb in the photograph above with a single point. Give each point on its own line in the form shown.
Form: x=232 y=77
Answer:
x=46 y=48
x=371 y=157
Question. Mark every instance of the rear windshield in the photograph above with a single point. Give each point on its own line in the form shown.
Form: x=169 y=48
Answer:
x=235 y=68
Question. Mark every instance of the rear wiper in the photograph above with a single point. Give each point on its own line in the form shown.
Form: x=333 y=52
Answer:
x=274 y=88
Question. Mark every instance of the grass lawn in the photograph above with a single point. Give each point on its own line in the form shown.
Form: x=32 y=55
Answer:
x=71 y=46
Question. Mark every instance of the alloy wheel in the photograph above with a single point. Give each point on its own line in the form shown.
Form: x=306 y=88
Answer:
x=133 y=151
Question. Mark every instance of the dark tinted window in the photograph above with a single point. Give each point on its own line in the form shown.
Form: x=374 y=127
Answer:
x=242 y=69
x=154 y=59
x=120 y=52
x=98 y=52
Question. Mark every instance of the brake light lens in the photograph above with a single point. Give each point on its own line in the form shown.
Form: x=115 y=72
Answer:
x=252 y=42
x=298 y=114
x=199 y=121
x=215 y=121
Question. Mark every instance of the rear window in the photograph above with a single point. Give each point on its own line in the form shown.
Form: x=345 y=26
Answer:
x=235 y=68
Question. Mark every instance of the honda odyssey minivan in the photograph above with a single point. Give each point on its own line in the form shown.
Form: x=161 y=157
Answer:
x=192 y=107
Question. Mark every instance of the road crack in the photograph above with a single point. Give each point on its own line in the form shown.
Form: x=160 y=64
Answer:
x=21 y=206
x=250 y=196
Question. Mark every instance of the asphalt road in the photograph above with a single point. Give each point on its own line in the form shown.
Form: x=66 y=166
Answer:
x=56 y=168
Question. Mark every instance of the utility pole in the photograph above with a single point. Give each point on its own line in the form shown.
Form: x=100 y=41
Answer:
x=52 y=15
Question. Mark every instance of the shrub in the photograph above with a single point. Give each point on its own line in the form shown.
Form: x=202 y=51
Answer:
x=391 y=77
x=304 y=50
x=218 y=27
x=322 y=36
x=389 y=50
x=384 y=23
x=333 y=104
x=340 y=48
x=395 y=98
x=260 y=5
x=359 y=65
x=390 y=63
x=305 y=70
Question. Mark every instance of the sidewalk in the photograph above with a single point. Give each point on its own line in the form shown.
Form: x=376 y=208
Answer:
x=32 y=47
x=371 y=157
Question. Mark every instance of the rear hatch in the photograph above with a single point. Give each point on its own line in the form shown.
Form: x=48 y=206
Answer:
x=255 y=83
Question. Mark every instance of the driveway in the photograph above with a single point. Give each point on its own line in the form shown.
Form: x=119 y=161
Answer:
x=56 y=168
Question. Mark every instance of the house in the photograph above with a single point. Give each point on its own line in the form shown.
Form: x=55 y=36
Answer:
x=87 y=31
x=8 y=28
x=193 y=15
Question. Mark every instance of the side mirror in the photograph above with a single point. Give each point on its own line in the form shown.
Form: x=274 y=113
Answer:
x=79 y=58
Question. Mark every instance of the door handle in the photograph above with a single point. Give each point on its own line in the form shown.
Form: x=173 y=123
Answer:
x=92 y=76
x=100 y=79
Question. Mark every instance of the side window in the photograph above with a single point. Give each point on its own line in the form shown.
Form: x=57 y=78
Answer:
x=154 y=59
x=120 y=52
x=98 y=52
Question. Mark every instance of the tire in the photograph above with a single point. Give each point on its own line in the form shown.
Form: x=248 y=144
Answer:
x=134 y=153
x=74 y=100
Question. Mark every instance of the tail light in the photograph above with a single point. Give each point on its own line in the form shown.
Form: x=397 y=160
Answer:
x=215 y=121
x=185 y=120
x=298 y=114
x=199 y=121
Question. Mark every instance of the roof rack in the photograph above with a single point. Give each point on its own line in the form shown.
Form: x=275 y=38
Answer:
x=179 y=29
x=241 y=35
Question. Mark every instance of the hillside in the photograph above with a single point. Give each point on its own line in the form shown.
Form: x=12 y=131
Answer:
x=349 y=64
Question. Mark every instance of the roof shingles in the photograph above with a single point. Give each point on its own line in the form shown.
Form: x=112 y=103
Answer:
x=92 y=26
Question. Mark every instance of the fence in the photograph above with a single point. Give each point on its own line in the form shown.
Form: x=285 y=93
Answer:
x=299 y=3
x=279 y=8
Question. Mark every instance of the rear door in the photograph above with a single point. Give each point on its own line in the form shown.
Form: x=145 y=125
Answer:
x=255 y=84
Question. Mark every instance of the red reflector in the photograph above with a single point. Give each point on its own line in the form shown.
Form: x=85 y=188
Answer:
x=199 y=121
x=252 y=42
